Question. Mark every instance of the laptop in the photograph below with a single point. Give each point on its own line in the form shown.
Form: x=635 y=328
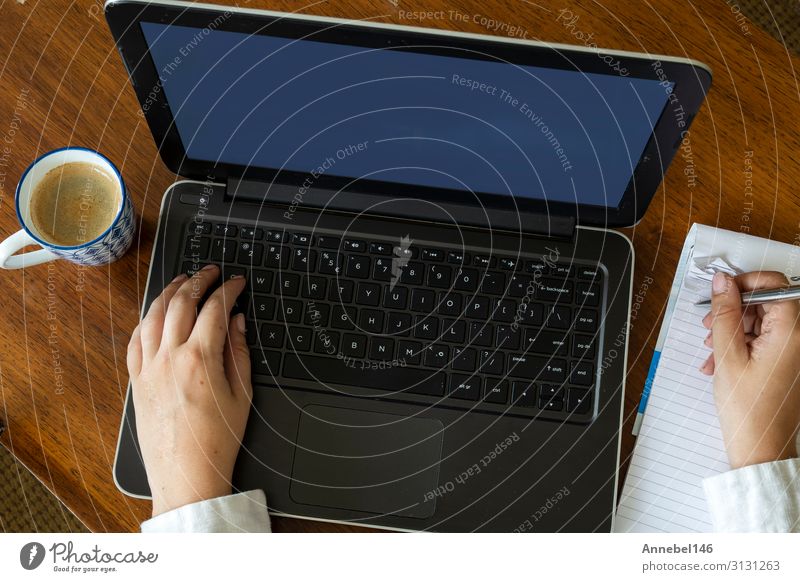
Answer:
x=437 y=305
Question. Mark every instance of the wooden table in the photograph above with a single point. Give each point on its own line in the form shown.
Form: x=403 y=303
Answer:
x=64 y=331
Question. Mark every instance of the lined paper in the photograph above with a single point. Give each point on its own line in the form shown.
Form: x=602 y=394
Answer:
x=680 y=441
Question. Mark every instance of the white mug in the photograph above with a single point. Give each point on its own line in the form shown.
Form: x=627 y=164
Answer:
x=106 y=248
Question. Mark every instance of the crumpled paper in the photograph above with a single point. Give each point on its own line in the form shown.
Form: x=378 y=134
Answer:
x=701 y=270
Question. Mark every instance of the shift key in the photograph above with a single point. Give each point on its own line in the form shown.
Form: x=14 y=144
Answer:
x=537 y=369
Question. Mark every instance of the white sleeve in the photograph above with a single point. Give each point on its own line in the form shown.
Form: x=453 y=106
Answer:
x=242 y=512
x=758 y=498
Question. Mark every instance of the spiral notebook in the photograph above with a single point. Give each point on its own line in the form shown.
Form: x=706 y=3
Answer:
x=680 y=442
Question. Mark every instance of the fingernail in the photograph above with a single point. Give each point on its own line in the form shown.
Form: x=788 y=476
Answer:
x=237 y=277
x=719 y=284
x=180 y=277
x=240 y=323
x=207 y=267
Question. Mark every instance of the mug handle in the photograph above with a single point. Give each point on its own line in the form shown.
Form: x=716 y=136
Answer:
x=20 y=240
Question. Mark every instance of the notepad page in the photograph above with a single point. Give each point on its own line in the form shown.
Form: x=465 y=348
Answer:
x=680 y=441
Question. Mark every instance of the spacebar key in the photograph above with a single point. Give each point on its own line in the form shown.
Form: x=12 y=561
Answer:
x=335 y=371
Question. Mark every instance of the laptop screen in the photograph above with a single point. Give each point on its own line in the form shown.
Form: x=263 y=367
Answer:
x=408 y=118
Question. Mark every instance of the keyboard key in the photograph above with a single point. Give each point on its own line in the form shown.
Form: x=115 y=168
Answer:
x=555 y=291
x=197 y=248
x=230 y=271
x=524 y=394
x=493 y=283
x=520 y=286
x=353 y=345
x=589 y=272
x=423 y=300
x=225 y=230
x=558 y=317
x=478 y=307
x=554 y=405
x=197 y=227
x=464 y=359
x=326 y=342
x=288 y=284
x=330 y=263
x=439 y=276
x=508 y=264
x=252 y=233
x=410 y=352
x=263 y=307
x=547 y=342
x=277 y=236
x=317 y=314
x=382 y=271
x=336 y=371
x=328 y=242
x=426 y=327
x=343 y=317
x=290 y=311
x=492 y=362
x=530 y=313
x=266 y=363
x=371 y=320
x=437 y=356
x=304 y=260
x=381 y=348
x=458 y=258
x=250 y=253
x=272 y=335
x=579 y=401
x=466 y=280
x=484 y=261
x=261 y=281
x=536 y=368
x=508 y=338
x=504 y=311
x=449 y=303
x=412 y=274
x=551 y=392
x=480 y=334
x=563 y=271
x=465 y=387
x=313 y=287
x=539 y=266
x=398 y=324
x=454 y=331
x=299 y=339
x=586 y=320
x=583 y=347
x=432 y=255
x=277 y=257
x=355 y=246
x=582 y=374
x=368 y=294
x=302 y=239
x=357 y=266
x=341 y=291
x=379 y=248
x=397 y=298
x=588 y=295
x=223 y=250
x=496 y=391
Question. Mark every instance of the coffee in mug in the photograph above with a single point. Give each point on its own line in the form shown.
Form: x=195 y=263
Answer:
x=74 y=203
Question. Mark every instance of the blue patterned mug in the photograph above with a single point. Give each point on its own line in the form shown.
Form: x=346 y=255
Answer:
x=106 y=248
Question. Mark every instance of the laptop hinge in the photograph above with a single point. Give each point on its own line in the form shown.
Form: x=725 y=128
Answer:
x=291 y=198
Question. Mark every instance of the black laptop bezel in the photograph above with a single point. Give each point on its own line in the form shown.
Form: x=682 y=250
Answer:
x=691 y=82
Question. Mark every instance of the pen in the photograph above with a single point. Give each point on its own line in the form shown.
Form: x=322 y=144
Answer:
x=764 y=296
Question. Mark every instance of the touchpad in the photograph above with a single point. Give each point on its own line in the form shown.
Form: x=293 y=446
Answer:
x=367 y=461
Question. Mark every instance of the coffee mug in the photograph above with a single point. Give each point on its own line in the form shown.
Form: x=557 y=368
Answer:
x=105 y=248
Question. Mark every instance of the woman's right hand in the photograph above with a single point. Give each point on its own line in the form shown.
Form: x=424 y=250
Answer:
x=756 y=368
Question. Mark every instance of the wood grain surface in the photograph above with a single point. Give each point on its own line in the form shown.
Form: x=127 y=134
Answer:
x=65 y=330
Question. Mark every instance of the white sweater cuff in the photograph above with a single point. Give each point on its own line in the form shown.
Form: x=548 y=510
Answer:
x=758 y=498
x=239 y=513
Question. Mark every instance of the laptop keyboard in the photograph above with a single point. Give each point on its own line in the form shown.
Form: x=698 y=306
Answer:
x=414 y=322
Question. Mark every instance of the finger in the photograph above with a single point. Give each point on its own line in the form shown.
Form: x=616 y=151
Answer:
x=237 y=360
x=182 y=312
x=749 y=319
x=709 y=341
x=211 y=329
x=152 y=326
x=135 y=354
x=726 y=308
x=708 y=366
x=783 y=313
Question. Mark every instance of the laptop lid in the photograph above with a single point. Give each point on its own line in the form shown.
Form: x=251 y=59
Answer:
x=312 y=106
